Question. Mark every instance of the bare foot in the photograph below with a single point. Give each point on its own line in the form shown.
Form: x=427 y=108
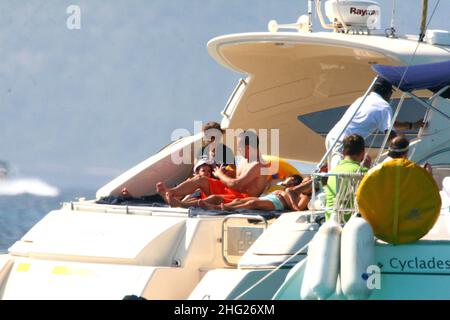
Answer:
x=126 y=193
x=201 y=204
x=172 y=201
x=161 y=189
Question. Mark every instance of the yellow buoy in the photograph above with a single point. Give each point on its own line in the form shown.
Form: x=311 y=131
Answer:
x=281 y=169
x=400 y=200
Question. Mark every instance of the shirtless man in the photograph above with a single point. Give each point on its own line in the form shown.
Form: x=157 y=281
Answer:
x=249 y=181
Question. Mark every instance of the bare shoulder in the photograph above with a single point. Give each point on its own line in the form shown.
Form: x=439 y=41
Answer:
x=255 y=166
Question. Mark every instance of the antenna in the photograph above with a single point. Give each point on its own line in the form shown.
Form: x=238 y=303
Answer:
x=302 y=24
x=392 y=29
x=423 y=22
x=310 y=4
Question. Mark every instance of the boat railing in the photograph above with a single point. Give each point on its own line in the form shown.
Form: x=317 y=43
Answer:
x=346 y=186
x=88 y=206
x=426 y=104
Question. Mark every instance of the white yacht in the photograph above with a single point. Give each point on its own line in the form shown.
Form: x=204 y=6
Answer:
x=297 y=81
x=4 y=169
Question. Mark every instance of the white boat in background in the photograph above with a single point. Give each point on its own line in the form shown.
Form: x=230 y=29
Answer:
x=4 y=169
x=298 y=82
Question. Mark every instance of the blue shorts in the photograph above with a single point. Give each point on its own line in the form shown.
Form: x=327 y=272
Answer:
x=275 y=200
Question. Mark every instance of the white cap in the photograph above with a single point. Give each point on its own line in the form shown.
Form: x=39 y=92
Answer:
x=202 y=162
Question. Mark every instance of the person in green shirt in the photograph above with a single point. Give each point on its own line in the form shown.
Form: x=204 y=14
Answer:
x=353 y=152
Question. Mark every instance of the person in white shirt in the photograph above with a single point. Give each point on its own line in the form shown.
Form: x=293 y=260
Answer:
x=375 y=114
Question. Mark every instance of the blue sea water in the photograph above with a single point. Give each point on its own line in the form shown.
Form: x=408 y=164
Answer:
x=21 y=209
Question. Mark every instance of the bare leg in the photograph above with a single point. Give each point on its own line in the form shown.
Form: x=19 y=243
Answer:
x=211 y=202
x=203 y=203
x=252 y=204
x=215 y=199
x=185 y=188
x=215 y=202
x=189 y=203
x=161 y=189
x=241 y=200
x=174 y=202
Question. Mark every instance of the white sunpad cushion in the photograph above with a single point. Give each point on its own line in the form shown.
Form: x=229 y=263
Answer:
x=446 y=186
x=445 y=199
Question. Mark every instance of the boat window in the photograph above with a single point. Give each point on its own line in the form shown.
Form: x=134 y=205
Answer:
x=321 y=122
x=234 y=98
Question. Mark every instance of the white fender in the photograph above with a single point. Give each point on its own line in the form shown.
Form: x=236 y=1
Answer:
x=305 y=291
x=322 y=267
x=357 y=254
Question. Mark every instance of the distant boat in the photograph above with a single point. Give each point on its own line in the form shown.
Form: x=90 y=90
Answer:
x=4 y=169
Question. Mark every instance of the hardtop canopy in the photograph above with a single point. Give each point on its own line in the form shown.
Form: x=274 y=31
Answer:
x=431 y=76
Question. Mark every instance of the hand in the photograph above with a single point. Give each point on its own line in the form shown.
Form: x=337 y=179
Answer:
x=418 y=124
x=218 y=170
x=428 y=167
x=367 y=161
x=306 y=180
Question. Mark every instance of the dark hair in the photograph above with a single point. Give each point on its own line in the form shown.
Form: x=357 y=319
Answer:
x=211 y=125
x=297 y=179
x=250 y=137
x=383 y=88
x=398 y=147
x=199 y=167
x=353 y=145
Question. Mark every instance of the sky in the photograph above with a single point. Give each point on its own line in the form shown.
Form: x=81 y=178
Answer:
x=80 y=106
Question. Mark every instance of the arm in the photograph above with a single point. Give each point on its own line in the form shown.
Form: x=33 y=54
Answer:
x=291 y=199
x=305 y=186
x=428 y=167
x=303 y=202
x=236 y=183
x=392 y=135
x=403 y=126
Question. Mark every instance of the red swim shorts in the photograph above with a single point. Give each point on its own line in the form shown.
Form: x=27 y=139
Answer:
x=217 y=187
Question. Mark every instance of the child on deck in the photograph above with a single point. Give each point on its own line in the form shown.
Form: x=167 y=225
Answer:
x=202 y=168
